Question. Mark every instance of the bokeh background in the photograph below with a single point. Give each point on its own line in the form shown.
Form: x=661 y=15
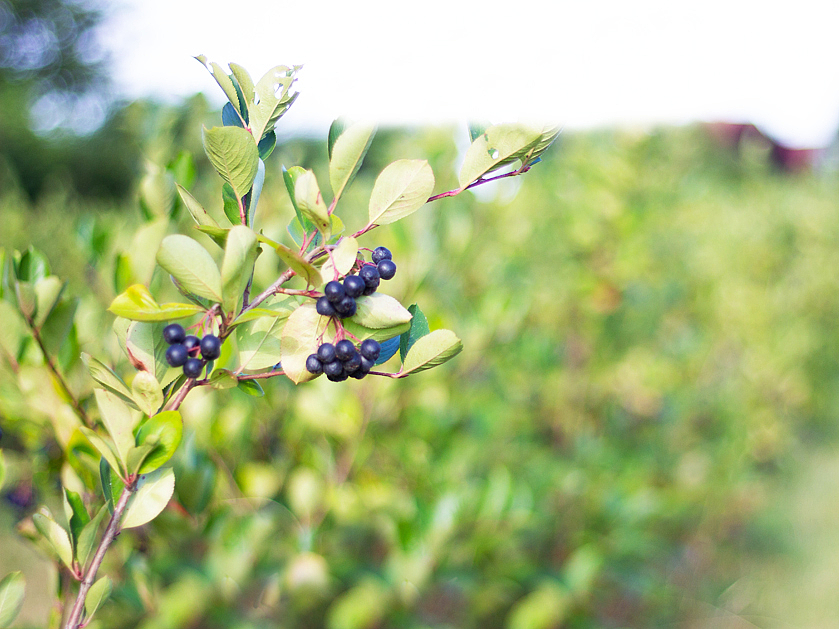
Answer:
x=640 y=432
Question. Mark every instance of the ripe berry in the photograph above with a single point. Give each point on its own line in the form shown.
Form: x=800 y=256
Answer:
x=338 y=377
x=177 y=355
x=326 y=353
x=370 y=349
x=381 y=253
x=353 y=363
x=334 y=291
x=193 y=367
x=369 y=290
x=313 y=365
x=210 y=347
x=346 y=307
x=174 y=333
x=358 y=374
x=191 y=342
x=344 y=349
x=387 y=269
x=370 y=274
x=325 y=307
x=354 y=285
x=335 y=368
x=366 y=364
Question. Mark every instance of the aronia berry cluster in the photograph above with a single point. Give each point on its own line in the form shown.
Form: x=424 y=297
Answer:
x=338 y=298
x=343 y=360
x=183 y=350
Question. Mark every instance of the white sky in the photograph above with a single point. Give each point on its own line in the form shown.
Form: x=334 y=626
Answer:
x=581 y=64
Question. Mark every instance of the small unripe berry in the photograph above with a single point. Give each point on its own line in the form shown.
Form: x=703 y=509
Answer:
x=177 y=355
x=210 y=347
x=387 y=269
x=381 y=253
x=326 y=353
x=334 y=291
x=193 y=367
x=174 y=333
x=313 y=365
x=191 y=342
x=354 y=285
x=335 y=368
x=344 y=349
x=370 y=349
x=325 y=307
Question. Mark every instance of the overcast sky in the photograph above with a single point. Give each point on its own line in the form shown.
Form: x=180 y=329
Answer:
x=581 y=64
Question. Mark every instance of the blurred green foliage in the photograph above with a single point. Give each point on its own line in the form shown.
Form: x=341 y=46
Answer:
x=649 y=331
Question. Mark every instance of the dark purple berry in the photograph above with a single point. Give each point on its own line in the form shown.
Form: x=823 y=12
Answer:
x=354 y=285
x=176 y=355
x=353 y=363
x=358 y=374
x=370 y=274
x=370 y=349
x=367 y=364
x=334 y=291
x=387 y=269
x=326 y=353
x=346 y=307
x=338 y=377
x=381 y=253
x=344 y=349
x=369 y=290
x=210 y=347
x=191 y=342
x=335 y=368
x=193 y=367
x=313 y=365
x=325 y=307
x=174 y=333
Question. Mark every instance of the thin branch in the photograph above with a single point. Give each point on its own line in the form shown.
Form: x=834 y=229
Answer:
x=261 y=376
x=479 y=182
x=176 y=401
x=74 y=620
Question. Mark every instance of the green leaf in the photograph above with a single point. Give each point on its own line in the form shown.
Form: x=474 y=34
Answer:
x=136 y=456
x=272 y=90
x=77 y=515
x=259 y=341
x=244 y=80
x=476 y=129
x=218 y=234
x=163 y=432
x=222 y=379
x=419 y=328
x=299 y=339
x=335 y=130
x=190 y=264
x=380 y=335
x=146 y=349
x=237 y=266
x=104 y=448
x=33 y=266
x=346 y=155
x=55 y=534
x=99 y=593
x=310 y=202
x=543 y=608
x=255 y=313
x=119 y=419
x=266 y=145
x=12 y=330
x=431 y=350
x=89 y=537
x=146 y=392
x=111 y=486
x=26 y=299
x=232 y=152
x=256 y=192
x=379 y=311
x=105 y=376
x=47 y=293
x=501 y=145
x=344 y=256
x=401 y=189
x=224 y=81
x=137 y=304
x=12 y=589
x=153 y=493
x=298 y=264
x=196 y=210
x=231 y=205
x=290 y=177
x=251 y=387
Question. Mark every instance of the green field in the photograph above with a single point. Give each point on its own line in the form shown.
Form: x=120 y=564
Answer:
x=640 y=432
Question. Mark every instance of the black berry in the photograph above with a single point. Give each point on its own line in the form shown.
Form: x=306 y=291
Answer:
x=344 y=349
x=177 y=355
x=381 y=253
x=334 y=291
x=174 y=333
x=370 y=349
x=191 y=342
x=325 y=307
x=387 y=269
x=326 y=353
x=346 y=307
x=193 y=367
x=353 y=363
x=210 y=347
x=370 y=275
x=370 y=290
x=367 y=364
x=358 y=374
x=354 y=285
x=338 y=377
x=313 y=365
x=335 y=368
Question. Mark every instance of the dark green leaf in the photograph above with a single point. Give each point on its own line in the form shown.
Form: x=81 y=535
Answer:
x=233 y=153
x=251 y=387
x=335 y=130
x=419 y=328
x=77 y=517
x=89 y=536
x=266 y=145
x=112 y=484
x=231 y=205
x=32 y=266
x=163 y=432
